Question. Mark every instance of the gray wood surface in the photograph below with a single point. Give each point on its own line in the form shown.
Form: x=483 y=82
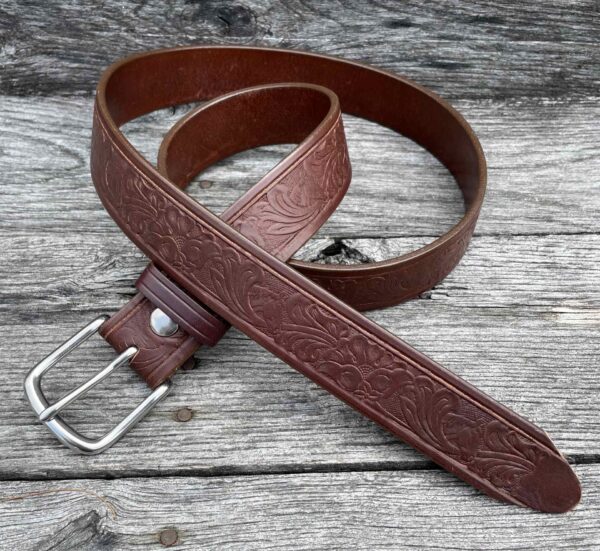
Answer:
x=268 y=459
x=359 y=510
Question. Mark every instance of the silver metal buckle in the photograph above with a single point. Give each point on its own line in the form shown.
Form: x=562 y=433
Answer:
x=48 y=413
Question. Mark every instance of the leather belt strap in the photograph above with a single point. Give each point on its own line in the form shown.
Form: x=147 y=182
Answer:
x=209 y=272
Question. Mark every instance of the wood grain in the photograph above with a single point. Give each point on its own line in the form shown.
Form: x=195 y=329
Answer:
x=362 y=511
x=543 y=158
x=504 y=319
x=268 y=460
x=467 y=50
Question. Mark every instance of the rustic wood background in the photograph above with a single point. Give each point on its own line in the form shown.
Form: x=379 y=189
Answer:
x=268 y=460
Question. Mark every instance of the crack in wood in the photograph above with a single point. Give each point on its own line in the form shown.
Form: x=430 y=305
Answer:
x=270 y=471
x=339 y=252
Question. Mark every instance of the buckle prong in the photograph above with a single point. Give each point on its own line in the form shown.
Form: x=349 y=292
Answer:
x=48 y=413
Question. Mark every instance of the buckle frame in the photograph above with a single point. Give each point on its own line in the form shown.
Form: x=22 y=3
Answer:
x=49 y=413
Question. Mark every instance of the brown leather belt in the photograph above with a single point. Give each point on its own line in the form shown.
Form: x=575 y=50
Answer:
x=208 y=272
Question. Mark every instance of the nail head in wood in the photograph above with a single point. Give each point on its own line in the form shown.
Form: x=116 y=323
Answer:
x=168 y=537
x=183 y=415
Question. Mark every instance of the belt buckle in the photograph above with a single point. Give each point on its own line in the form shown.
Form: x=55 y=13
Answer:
x=48 y=413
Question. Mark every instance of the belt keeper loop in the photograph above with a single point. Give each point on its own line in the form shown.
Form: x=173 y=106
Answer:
x=193 y=317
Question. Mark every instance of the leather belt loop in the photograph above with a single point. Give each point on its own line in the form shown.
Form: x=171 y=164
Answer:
x=197 y=321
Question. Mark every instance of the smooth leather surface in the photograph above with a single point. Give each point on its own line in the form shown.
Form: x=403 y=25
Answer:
x=233 y=266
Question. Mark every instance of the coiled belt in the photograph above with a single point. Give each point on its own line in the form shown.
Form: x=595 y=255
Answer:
x=209 y=272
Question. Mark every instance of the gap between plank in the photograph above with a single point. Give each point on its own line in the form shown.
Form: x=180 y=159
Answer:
x=276 y=470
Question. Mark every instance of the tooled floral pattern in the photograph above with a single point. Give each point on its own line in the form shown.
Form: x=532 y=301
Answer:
x=275 y=220
x=409 y=396
x=428 y=408
x=359 y=367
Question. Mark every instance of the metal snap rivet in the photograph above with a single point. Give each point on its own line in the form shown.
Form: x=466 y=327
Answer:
x=162 y=324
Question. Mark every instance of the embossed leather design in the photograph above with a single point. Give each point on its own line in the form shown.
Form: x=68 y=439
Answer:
x=239 y=275
x=279 y=213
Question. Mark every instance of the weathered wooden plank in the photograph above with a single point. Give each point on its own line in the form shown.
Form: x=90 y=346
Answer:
x=379 y=510
x=543 y=158
x=466 y=50
x=519 y=317
x=53 y=275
